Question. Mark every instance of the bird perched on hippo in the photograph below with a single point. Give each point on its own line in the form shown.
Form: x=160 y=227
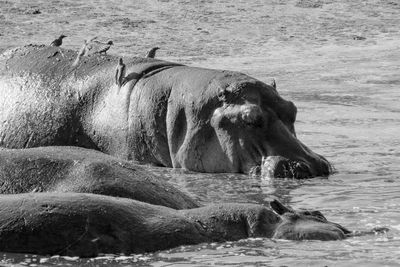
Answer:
x=152 y=52
x=120 y=73
x=58 y=41
x=104 y=48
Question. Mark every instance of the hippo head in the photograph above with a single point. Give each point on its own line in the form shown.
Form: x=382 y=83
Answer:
x=305 y=225
x=255 y=127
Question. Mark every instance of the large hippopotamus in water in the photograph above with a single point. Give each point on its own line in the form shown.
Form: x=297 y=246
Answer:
x=76 y=201
x=164 y=114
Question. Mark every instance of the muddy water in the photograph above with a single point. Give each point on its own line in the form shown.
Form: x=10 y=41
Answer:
x=339 y=61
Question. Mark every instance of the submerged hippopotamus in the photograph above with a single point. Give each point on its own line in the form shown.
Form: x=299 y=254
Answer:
x=165 y=114
x=85 y=225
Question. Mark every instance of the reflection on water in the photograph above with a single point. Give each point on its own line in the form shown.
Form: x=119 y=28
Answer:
x=337 y=60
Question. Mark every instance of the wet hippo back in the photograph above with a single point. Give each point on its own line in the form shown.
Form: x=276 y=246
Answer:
x=47 y=101
x=74 y=169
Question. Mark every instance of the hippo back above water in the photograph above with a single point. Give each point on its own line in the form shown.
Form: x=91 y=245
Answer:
x=165 y=114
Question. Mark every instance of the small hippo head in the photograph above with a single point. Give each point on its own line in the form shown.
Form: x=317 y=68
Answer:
x=305 y=225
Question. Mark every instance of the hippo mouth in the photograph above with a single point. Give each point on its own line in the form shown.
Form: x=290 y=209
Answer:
x=281 y=167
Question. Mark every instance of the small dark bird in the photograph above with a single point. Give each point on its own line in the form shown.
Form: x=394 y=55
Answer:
x=152 y=52
x=104 y=49
x=273 y=83
x=120 y=73
x=58 y=41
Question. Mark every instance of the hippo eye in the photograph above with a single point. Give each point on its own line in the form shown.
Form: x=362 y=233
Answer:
x=252 y=116
x=222 y=95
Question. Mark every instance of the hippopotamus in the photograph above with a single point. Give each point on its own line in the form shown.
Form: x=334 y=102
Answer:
x=165 y=113
x=83 y=224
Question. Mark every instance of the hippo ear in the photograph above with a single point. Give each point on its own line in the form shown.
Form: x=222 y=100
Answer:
x=279 y=208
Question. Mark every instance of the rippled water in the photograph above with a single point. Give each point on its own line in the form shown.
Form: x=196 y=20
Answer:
x=339 y=61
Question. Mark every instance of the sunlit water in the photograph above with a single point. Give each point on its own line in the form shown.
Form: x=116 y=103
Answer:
x=339 y=61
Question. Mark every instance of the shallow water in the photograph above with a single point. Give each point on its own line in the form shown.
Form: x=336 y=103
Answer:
x=339 y=61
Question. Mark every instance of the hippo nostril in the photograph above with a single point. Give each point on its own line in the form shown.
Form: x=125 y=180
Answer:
x=301 y=170
x=301 y=166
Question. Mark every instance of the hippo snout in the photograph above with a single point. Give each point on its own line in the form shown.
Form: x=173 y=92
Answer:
x=305 y=225
x=309 y=230
x=281 y=167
